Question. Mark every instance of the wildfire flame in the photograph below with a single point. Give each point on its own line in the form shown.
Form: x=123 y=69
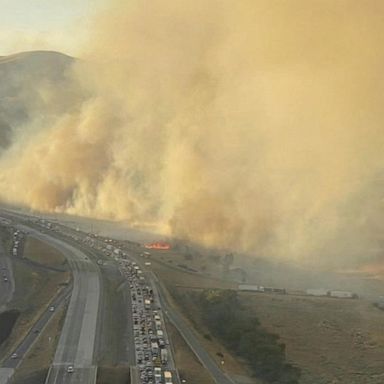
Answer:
x=158 y=245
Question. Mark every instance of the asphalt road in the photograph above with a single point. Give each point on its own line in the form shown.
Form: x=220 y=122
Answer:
x=7 y=288
x=33 y=334
x=78 y=337
x=190 y=337
x=130 y=343
x=219 y=376
x=10 y=364
x=158 y=303
x=77 y=341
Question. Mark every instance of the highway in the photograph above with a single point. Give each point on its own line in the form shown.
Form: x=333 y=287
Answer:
x=78 y=337
x=9 y=364
x=183 y=327
x=33 y=334
x=189 y=336
x=7 y=283
x=217 y=374
x=76 y=346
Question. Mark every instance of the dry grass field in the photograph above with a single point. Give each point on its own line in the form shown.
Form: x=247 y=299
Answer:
x=332 y=340
x=43 y=253
x=173 y=276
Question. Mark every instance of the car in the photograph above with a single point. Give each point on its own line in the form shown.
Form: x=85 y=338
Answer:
x=14 y=355
x=51 y=309
x=70 y=369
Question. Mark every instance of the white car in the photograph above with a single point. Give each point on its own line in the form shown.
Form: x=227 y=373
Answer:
x=70 y=369
x=14 y=356
x=51 y=309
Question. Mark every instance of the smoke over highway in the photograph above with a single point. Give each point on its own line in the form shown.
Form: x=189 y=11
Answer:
x=254 y=125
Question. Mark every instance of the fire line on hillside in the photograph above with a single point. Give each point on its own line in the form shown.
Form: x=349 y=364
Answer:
x=161 y=245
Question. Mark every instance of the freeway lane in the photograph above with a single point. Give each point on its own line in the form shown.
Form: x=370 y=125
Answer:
x=219 y=376
x=7 y=283
x=81 y=356
x=189 y=336
x=9 y=365
x=77 y=341
x=33 y=334
x=78 y=337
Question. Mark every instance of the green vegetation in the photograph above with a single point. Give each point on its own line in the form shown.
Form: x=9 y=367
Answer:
x=243 y=334
x=7 y=322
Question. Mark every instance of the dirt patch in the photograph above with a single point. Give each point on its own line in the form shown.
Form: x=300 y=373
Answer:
x=7 y=322
x=113 y=375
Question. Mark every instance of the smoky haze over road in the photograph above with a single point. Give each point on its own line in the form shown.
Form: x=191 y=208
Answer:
x=254 y=126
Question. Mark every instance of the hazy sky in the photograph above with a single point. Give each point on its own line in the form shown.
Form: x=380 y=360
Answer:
x=44 y=24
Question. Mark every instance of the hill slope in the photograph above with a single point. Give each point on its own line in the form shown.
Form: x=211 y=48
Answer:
x=30 y=81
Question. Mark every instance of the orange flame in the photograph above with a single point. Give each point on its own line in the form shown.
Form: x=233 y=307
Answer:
x=158 y=245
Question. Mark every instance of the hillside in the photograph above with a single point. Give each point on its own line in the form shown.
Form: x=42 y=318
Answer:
x=30 y=84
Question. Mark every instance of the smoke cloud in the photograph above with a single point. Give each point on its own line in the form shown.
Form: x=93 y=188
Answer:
x=254 y=125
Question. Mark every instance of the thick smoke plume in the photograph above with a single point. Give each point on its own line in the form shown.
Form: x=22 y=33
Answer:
x=255 y=125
